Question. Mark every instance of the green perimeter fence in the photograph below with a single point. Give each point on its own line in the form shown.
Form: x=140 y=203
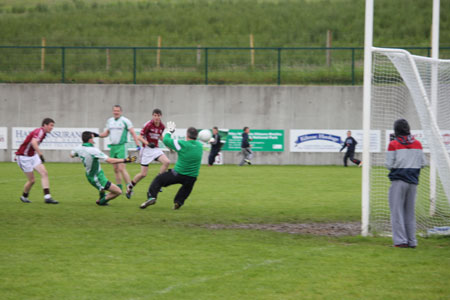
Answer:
x=187 y=65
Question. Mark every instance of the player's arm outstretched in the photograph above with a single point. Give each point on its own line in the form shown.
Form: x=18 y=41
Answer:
x=168 y=141
x=343 y=146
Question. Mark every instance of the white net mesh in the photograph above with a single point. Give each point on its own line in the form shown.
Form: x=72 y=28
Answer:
x=402 y=87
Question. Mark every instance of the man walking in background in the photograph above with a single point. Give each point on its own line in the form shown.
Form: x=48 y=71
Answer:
x=29 y=158
x=117 y=128
x=186 y=168
x=350 y=143
x=215 y=146
x=246 y=150
x=404 y=159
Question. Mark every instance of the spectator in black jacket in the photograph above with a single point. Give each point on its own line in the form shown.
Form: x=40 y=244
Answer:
x=350 y=143
x=215 y=146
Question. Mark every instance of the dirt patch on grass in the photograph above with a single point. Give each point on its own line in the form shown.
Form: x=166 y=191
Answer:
x=324 y=229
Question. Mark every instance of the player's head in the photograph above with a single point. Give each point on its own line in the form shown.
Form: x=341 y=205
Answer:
x=349 y=133
x=191 y=133
x=117 y=111
x=246 y=129
x=401 y=127
x=48 y=124
x=86 y=137
x=156 y=115
x=215 y=130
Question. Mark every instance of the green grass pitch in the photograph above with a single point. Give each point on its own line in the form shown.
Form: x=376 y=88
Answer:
x=77 y=250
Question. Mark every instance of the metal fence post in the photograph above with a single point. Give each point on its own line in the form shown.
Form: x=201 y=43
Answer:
x=63 y=64
x=134 y=65
x=206 y=66
x=353 y=66
x=279 y=67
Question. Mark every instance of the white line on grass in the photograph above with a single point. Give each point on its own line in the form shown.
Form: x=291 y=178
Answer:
x=205 y=279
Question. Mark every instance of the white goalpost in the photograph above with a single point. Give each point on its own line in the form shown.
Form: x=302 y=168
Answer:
x=400 y=85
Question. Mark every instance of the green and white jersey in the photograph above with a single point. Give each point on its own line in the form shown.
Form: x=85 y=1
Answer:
x=90 y=156
x=118 y=130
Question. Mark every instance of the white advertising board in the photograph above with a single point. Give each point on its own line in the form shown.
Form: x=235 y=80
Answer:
x=328 y=140
x=418 y=135
x=3 y=138
x=59 y=139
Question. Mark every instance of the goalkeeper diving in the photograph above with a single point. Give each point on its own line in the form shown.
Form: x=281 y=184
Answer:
x=186 y=168
x=90 y=156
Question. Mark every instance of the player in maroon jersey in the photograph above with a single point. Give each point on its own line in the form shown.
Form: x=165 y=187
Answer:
x=150 y=136
x=29 y=158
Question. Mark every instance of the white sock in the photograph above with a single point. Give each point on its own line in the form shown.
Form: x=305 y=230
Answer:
x=48 y=196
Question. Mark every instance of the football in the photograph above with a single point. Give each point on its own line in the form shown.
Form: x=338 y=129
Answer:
x=205 y=135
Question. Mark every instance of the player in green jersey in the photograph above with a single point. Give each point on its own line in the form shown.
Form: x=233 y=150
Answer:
x=91 y=157
x=117 y=128
x=186 y=168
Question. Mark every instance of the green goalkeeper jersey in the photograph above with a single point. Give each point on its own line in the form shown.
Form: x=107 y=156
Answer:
x=189 y=155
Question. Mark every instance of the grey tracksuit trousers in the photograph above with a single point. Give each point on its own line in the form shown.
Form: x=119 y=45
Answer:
x=402 y=198
x=247 y=154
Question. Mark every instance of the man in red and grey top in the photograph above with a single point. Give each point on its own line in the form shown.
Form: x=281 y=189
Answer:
x=150 y=135
x=404 y=159
x=29 y=158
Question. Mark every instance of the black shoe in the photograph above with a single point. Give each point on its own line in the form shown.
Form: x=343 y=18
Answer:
x=24 y=199
x=401 y=246
x=414 y=247
x=104 y=204
x=129 y=192
x=51 y=201
x=149 y=202
x=176 y=205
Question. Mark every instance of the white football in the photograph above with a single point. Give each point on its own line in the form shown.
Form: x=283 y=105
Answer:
x=205 y=135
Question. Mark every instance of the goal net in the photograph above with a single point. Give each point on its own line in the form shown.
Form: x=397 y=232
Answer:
x=417 y=89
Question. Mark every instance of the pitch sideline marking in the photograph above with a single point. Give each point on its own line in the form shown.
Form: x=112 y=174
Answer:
x=205 y=279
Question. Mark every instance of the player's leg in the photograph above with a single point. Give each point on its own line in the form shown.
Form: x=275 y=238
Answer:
x=120 y=170
x=146 y=156
x=114 y=191
x=100 y=181
x=26 y=165
x=410 y=216
x=139 y=176
x=124 y=174
x=353 y=159
x=184 y=191
x=397 y=193
x=249 y=156
x=244 y=153
x=162 y=180
x=40 y=168
x=211 y=157
x=345 y=158
x=27 y=187
x=165 y=162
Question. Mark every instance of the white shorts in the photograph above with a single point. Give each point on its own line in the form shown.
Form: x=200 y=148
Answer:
x=28 y=163
x=147 y=155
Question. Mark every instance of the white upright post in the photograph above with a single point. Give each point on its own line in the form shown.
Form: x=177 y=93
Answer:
x=434 y=97
x=368 y=40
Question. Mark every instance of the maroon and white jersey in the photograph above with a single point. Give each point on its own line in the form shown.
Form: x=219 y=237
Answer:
x=26 y=148
x=151 y=133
